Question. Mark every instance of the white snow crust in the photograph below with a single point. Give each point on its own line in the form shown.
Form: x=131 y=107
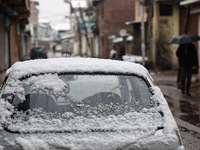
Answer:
x=6 y=110
x=139 y=122
x=59 y=65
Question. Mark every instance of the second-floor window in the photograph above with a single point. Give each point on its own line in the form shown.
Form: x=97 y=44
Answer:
x=166 y=9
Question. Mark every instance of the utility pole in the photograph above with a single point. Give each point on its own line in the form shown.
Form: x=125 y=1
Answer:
x=78 y=26
x=143 y=35
x=85 y=28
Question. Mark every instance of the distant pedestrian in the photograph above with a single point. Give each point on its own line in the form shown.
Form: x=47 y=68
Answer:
x=113 y=52
x=187 y=58
x=121 y=52
x=54 y=48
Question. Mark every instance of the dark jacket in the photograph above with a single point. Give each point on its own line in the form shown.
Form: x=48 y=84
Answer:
x=187 y=55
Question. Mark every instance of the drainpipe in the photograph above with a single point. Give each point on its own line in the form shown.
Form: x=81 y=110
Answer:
x=186 y=24
x=143 y=36
x=9 y=51
x=7 y=29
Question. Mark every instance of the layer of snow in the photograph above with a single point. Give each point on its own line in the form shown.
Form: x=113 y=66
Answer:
x=87 y=141
x=170 y=125
x=118 y=40
x=48 y=81
x=59 y=65
x=6 y=109
x=129 y=38
x=1 y=147
x=139 y=123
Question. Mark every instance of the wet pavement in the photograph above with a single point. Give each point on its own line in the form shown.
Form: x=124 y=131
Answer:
x=186 y=110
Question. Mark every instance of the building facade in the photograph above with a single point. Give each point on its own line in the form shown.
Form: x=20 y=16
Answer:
x=111 y=18
x=13 y=36
x=165 y=26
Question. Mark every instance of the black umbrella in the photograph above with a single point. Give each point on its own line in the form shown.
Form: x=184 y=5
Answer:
x=184 y=38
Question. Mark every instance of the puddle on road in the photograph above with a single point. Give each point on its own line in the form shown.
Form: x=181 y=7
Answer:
x=195 y=90
x=185 y=109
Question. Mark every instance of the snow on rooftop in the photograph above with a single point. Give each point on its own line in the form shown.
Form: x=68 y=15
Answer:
x=44 y=21
x=58 y=65
x=118 y=40
x=129 y=38
x=134 y=58
x=61 y=26
x=79 y=3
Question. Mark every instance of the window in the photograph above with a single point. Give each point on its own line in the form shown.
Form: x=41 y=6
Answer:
x=166 y=10
x=67 y=92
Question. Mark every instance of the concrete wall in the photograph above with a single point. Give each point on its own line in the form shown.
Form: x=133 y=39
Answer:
x=164 y=28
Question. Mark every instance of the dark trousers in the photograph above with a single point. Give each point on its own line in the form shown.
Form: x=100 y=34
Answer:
x=186 y=75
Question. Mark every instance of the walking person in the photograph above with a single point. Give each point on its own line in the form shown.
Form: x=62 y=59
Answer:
x=187 y=58
x=113 y=53
x=121 y=52
x=54 y=49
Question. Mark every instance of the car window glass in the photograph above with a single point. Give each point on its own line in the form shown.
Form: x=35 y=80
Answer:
x=89 y=85
x=85 y=93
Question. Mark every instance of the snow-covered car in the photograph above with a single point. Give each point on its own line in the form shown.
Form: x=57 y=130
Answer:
x=84 y=104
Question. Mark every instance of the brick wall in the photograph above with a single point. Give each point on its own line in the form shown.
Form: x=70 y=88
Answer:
x=112 y=15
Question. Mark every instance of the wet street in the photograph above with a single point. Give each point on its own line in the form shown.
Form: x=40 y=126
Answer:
x=186 y=110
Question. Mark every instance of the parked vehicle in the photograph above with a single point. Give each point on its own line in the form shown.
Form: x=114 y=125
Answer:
x=38 y=52
x=67 y=46
x=84 y=103
x=58 y=48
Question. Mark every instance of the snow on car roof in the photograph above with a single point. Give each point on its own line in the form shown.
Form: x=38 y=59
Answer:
x=79 y=65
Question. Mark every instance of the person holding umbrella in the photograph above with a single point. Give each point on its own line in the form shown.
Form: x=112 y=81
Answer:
x=187 y=58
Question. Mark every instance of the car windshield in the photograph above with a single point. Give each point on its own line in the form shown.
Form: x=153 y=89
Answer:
x=80 y=93
x=37 y=49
